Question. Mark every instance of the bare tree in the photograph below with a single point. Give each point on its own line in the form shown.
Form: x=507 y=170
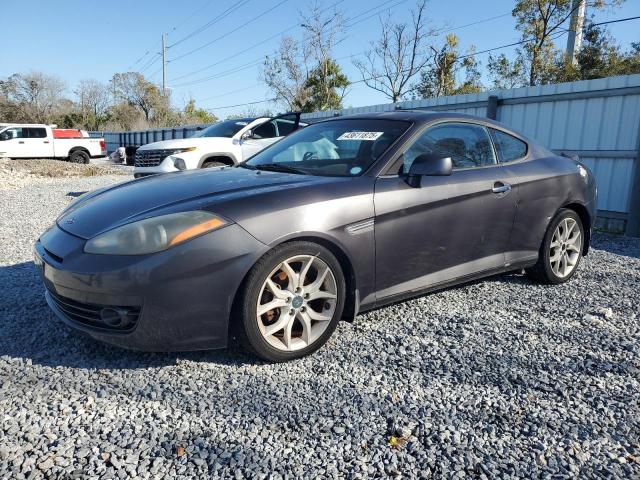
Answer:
x=286 y=72
x=397 y=56
x=93 y=99
x=35 y=97
x=302 y=74
x=134 y=89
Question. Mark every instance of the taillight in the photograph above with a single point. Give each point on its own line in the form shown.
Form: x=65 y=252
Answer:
x=103 y=145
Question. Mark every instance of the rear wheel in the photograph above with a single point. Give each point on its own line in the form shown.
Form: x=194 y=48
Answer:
x=79 y=156
x=292 y=301
x=561 y=249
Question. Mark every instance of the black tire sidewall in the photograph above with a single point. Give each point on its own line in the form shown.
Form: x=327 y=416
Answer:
x=79 y=157
x=250 y=333
x=212 y=164
x=546 y=244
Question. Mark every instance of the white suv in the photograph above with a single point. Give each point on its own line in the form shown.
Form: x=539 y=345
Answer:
x=225 y=143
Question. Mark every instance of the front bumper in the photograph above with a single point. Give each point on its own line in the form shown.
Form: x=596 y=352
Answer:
x=177 y=300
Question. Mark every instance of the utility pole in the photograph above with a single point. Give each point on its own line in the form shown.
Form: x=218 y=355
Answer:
x=574 y=39
x=164 y=67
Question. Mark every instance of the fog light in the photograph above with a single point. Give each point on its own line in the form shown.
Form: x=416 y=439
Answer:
x=179 y=164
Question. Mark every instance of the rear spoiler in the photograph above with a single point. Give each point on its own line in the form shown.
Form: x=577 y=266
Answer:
x=572 y=155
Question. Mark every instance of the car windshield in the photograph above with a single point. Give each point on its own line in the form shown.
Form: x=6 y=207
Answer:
x=228 y=128
x=341 y=148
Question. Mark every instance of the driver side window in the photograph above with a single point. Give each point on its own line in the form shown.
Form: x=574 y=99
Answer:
x=266 y=130
x=468 y=145
x=10 y=133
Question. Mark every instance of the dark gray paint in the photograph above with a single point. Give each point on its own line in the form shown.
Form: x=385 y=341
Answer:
x=393 y=240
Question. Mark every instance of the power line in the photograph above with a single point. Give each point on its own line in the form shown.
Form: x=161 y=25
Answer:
x=243 y=104
x=198 y=10
x=213 y=21
x=230 y=93
x=460 y=57
x=616 y=21
x=260 y=15
x=258 y=44
x=220 y=74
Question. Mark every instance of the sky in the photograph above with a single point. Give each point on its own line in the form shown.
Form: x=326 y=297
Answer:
x=219 y=65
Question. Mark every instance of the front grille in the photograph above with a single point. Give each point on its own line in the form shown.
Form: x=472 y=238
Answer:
x=106 y=317
x=152 y=158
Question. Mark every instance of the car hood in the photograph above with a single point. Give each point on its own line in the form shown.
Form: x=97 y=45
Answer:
x=205 y=142
x=161 y=194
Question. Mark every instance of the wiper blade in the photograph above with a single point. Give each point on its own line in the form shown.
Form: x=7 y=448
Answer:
x=278 y=167
x=244 y=165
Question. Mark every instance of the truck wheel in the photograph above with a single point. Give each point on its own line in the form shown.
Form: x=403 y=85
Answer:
x=79 y=156
x=212 y=164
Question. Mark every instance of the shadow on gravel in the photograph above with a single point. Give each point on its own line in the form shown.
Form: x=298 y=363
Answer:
x=29 y=331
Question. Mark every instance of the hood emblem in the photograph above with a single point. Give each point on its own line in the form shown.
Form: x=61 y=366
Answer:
x=70 y=221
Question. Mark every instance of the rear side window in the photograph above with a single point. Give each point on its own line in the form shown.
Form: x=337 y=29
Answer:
x=36 y=132
x=509 y=148
x=467 y=144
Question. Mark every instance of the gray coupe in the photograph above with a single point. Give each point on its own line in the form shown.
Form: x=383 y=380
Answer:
x=343 y=216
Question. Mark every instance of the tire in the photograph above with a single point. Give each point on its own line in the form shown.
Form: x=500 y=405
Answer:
x=79 y=156
x=549 y=268
x=294 y=306
x=213 y=164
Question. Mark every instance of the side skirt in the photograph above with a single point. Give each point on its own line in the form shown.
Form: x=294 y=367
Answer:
x=386 y=301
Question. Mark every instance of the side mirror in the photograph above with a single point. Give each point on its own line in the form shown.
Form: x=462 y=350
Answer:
x=247 y=135
x=430 y=164
x=4 y=136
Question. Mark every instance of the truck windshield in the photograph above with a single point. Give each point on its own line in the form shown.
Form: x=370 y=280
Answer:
x=227 y=129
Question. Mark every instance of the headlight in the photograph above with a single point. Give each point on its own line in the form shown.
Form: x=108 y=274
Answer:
x=182 y=150
x=154 y=234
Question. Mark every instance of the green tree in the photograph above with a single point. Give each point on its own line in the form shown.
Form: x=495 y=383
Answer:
x=323 y=86
x=505 y=73
x=539 y=21
x=193 y=115
x=439 y=78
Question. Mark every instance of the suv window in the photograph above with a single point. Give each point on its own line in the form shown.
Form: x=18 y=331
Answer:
x=36 y=132
x=509 y=148
x=467 y=144
x=276 y=127
x=266 y=130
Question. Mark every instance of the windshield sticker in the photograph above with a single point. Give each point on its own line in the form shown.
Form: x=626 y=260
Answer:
x=370 y=136
x=355 y=170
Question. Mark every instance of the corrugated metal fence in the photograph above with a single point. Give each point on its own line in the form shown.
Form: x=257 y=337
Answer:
x=597 y=119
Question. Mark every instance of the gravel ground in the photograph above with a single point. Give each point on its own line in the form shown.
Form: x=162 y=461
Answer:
x=501 y=377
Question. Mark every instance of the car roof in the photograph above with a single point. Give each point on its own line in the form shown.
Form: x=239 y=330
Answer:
x=415 y=116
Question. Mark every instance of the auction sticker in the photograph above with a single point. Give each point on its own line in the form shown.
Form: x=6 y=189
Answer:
x=360 y=136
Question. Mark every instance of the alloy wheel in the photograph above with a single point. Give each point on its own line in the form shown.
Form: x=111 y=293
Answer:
x=565 y=248
x=296 y=302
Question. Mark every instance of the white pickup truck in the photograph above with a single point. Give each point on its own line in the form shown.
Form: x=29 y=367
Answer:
x=224 y=143
x=39 y=141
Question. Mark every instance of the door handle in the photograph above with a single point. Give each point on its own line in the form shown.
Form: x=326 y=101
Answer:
x=46 y=141
x=500 y=187
x=20 y=141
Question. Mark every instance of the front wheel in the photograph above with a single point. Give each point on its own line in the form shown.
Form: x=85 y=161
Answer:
x=292 y=301
x=561 y=249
